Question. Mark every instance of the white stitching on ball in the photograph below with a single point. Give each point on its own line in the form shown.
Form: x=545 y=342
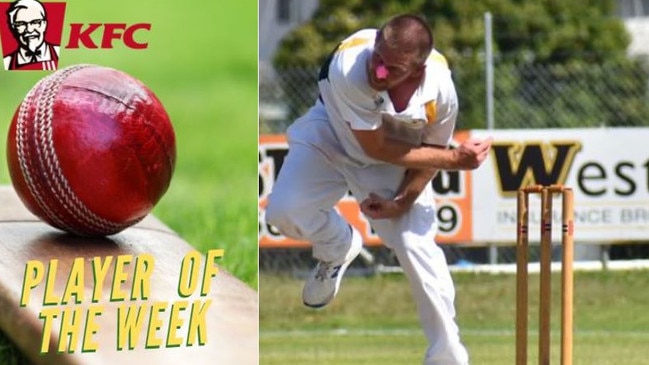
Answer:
x=46 y=154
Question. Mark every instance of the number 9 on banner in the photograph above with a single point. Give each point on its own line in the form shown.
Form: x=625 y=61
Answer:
x=449 y=218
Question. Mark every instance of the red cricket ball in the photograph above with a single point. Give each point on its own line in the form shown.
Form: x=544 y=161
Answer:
x=90 y=150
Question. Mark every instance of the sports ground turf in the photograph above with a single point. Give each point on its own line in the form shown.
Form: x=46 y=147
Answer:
x=373 y=321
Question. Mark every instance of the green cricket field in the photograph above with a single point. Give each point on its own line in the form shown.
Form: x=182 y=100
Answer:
x=373 y=320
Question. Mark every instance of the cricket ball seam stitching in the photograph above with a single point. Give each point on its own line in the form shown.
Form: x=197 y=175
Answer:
x=46 y=154
x=24 y=161
x=65 y=194
x=38 y=132
x=45 y=147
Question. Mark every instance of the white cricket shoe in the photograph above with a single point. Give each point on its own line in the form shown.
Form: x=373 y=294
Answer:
x=323 y=283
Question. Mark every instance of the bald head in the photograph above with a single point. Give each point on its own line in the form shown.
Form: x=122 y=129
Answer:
x=409 y=34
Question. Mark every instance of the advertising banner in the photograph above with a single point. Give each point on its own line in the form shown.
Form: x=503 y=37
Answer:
x=607 y=168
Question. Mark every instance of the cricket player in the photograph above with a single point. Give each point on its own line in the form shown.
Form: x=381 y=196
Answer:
x=380 y=129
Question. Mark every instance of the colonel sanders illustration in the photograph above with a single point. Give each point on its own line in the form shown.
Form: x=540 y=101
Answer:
x=28 y=22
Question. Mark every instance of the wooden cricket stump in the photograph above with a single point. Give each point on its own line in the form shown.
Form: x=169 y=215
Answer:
x=231 y=322
x=545 y=261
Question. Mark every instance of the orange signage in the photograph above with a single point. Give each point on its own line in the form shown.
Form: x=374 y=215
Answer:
x=452 y=188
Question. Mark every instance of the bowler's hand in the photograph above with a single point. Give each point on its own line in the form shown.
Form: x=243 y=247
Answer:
x=377 y=207
x=470 y=154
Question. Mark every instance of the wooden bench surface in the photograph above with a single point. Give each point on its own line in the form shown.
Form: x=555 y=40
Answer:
x=232 y=318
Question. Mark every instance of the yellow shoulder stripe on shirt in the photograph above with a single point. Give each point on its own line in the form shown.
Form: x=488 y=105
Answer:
x=438 y=58
x=431 y=111
x=353 y=42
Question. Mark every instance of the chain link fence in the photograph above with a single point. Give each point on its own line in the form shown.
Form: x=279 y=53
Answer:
x=526 y=95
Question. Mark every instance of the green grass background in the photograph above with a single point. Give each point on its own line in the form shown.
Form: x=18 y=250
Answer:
x=373 y=321
x=202 y=64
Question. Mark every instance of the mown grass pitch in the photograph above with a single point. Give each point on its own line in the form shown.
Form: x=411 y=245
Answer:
x=373 y=321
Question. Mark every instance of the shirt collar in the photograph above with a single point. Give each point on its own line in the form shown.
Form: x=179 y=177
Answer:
x=24 y=58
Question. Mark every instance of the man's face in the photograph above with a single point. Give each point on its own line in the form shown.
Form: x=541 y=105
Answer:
x=388 y=67
x=29 y=26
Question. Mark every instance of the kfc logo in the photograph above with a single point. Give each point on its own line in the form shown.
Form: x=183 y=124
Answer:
x=31 y=35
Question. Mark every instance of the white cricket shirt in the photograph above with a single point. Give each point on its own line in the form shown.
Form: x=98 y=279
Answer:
x=351 y=103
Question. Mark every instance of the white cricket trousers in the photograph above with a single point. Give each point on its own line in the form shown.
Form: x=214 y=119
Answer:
x=315 y=175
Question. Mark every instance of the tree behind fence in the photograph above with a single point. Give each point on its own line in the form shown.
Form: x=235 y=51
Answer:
x=574 y=95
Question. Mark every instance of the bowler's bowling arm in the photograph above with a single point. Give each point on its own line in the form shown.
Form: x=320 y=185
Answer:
x=378 y=145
